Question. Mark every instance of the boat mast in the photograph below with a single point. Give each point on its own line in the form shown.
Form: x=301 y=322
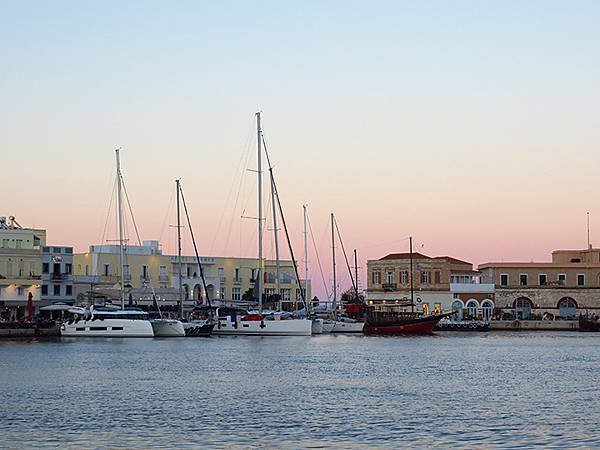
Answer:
x=277 y=265
x=412 y=287
x=260 y=210
x=305 y=257
x=179 y=251
x=120 y=226
x=334 y=304
x=356 y=275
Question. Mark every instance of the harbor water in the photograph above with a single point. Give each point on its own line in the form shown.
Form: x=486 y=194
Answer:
x=511 y=389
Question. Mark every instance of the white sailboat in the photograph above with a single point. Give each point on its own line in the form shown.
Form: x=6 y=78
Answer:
x=239 y=322
x=341 y=324
x=110 y=322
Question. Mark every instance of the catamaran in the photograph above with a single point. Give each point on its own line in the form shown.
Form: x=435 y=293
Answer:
x=110 y=321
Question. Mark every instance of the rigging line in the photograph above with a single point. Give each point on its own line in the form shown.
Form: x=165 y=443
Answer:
x=231 y=186
x=303 y=292
x=345 y=257
x=317 y=254
x=167 y=215
x=137 y=234
x=109 y=195
x=112 y=197
x=195 y=249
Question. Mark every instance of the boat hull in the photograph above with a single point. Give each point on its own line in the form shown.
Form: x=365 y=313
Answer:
x=317 y=326
x=200 y=328
x=107 y=328
x=347 y=327
x=167 y=328
x=289 y=327
x=588 y=326
x=403 y=326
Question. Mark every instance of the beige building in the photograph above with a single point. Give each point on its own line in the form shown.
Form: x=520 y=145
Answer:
x=20 y=267
x=564 y=287
x=147 y=270
x=440 y=284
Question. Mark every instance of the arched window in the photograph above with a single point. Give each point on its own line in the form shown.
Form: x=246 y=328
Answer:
x=457 y=309
x=487 y=307
x=472 y=306
x=567 y=307
x=523 y=307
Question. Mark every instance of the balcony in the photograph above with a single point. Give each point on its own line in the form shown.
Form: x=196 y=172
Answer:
x=58 y=276
x=163 y=278
x=389 y=286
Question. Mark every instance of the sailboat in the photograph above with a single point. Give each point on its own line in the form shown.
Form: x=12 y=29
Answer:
x=165 y=327
x=110 y=321
x=341 y=324
x=260 y=323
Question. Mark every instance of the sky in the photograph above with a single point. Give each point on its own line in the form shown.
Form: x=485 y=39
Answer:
x=472 y=126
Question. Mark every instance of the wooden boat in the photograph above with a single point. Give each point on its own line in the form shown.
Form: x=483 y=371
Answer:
x=400 y=323
x=589 y=323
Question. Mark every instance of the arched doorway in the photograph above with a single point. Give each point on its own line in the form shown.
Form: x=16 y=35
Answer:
x=487 y=308
x=523 y=307
x=198 y=293
x=567 y=307
x=472 y=306
x=457 y=309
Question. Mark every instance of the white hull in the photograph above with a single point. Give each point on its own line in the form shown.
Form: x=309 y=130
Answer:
x=317 y=326
x=290 y=327
x=107 y=328
x=348 y=327
x=167 y=328
x=328 y=326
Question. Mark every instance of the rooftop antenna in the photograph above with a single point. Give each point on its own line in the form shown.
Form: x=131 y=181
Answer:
x=588 y=231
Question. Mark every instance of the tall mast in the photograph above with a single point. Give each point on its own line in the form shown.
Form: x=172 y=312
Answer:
x=305 y=257
x=260 y=209
x=179 y=252
x=412 y=287
x=588 y=231
x=334 y=305
x=120 y=223
x=356 y=274
x=277 y=265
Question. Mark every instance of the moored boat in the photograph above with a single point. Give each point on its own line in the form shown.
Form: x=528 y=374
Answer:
x=106 y=322
x=167 y=328
x=589 y=323
x=400 y=322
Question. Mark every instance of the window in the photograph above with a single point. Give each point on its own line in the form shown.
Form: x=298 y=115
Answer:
x=425 y=308
x=19 y=243
x=69 y=290
x=503 y=279
x=299 y=294
x=437 y=277
x=285 y=295
x=562 y=278
x=235 y=293
x=56 y=289
x=575 y=260
x=68 y=268
x=437 y=308
x=580 y=279
x=45 y=267
x=390 y=276
x=222 y=293
x=188 y=271
x=253 y=275
x=68 y=250
x=425 y=277
x=106 y=270
x=5 y=243
x=543 y=279
x=20 y=291
x=221 y=273
x=162 y=271
x=376 y=277
x=56 y=249
x=404 y=277
x=144 y=271
x=567 y=307
x=523 y=279
x=236 y=275
x=44 y=289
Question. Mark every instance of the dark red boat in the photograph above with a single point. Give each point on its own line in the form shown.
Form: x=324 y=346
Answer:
x=399 y=323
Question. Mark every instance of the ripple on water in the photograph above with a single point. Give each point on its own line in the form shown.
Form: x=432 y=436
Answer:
x=450 y=390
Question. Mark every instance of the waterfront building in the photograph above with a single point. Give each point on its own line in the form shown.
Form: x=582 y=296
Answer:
x=441 y=283
x=148 y=272
x=20 y=267
x=57 y=275
x=567 y=285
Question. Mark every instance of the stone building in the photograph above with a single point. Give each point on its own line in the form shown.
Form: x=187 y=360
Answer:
x=440 y=284
x=564 y=287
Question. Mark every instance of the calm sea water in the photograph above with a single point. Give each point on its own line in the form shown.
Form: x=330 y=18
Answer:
x=450 y=390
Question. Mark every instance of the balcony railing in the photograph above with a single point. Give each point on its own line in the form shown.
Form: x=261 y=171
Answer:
x=389 y=286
